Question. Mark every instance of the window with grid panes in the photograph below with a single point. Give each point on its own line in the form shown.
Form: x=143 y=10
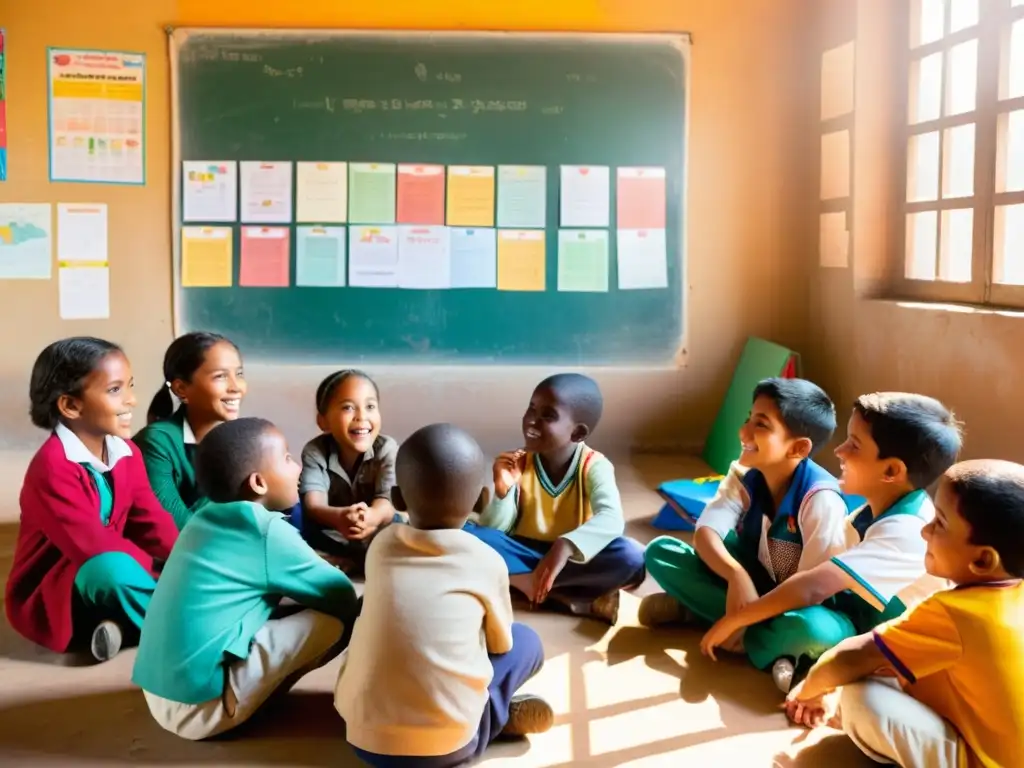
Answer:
x=963 y=191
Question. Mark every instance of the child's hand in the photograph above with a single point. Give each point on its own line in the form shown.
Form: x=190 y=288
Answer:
x=355 y=522
x=720 y=634
x=810 y=712
x=508 y=469
x=548 y=568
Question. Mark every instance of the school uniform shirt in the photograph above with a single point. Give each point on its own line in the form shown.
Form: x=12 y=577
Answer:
x=231 y=566
x=168 y=448
x=414 y=680
x=374 y=476
x=884 y=561
x=62 y=527
x=584 y=508
x=961 y=652
x=804 y=532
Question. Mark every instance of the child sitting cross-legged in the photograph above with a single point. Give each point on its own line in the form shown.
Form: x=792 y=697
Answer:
x=957 y=694
x=213 y=650
x=777 y=513
x=897 y=444
x=431 y=675
x=557 y=518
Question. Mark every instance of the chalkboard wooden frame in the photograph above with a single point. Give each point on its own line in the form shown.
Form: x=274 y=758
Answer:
x=652 y=333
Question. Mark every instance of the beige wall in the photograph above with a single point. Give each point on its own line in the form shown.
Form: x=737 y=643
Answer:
x=971 y=360
x=745 y=255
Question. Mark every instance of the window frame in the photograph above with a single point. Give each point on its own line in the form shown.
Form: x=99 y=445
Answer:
x=992 y=33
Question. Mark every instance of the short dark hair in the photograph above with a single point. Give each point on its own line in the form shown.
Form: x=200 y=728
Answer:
x=228 y=455
x=61 y=369
x=440 y=467
x=183 y=357
x=805 y=409
x=990 y=497
x=330 y=385
x=580 y=393
x=916 y=429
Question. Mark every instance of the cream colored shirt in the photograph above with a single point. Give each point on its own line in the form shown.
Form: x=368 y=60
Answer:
x=414 y=680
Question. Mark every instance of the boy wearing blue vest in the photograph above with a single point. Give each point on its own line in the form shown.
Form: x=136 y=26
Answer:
x=897 y=445
x=776 y=513
x=556 y=517
x=212 y=650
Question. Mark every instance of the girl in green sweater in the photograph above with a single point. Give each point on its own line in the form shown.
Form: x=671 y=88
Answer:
x=203 y=371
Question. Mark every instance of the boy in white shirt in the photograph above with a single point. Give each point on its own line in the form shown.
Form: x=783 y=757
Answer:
x=897 y=444
x=435 y=642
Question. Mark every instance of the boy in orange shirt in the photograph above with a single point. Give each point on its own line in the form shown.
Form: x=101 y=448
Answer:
x=959 y=655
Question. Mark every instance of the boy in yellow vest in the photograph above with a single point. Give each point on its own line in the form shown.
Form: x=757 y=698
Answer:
x=556 y=517
x=955 y=700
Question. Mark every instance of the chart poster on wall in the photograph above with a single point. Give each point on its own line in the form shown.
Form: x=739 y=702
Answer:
x=3 y=109
x=25 y=241
x=97 y=105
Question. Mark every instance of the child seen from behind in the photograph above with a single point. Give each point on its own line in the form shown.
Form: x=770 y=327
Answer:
x=435 y=663
x=93 y=537
x=215 y=648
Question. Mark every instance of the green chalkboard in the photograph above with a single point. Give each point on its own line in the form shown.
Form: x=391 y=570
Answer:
x=448 y=99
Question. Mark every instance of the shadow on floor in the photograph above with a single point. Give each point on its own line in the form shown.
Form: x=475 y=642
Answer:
x=300 y=729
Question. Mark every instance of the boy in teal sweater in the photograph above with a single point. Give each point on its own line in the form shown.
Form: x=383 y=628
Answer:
x=212 y=651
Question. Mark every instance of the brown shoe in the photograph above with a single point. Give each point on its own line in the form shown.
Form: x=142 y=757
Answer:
x=662 y=610
x=606 y=608
x=528 y=714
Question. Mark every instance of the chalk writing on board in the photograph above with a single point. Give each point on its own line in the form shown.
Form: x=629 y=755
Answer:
x=552 y=110
x=216 y=54
x=476 y=106
x=422 y=136
x=291 y=72
x=574 y=77
x=249 y=58
x=448 y=77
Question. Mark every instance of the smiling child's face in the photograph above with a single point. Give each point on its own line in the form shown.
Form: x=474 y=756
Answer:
x=764 y=440
x=280 y=472
x=548 y=423
x=352 y=417
x=105 y=404
x=216 y=389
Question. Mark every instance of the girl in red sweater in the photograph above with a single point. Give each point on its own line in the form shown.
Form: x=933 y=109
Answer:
x=93 y=536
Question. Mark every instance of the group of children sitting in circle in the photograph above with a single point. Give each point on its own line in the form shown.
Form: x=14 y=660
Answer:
x=204 y=541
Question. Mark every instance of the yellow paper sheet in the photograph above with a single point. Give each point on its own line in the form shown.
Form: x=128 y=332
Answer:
x=206 y=257
x=521 y=260
x=470 y=196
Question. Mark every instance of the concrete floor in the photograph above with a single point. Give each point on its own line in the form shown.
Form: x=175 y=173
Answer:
x=622 y=695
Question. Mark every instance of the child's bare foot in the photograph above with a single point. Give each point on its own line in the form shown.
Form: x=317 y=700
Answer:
x=528 y=714
x=522 y=582
x=106 y=641
x=662 y=610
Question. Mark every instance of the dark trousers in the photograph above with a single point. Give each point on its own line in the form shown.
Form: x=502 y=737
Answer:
x=511 y=670
x=620 y=564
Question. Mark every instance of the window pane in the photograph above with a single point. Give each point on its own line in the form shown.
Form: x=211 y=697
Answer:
x=927 y=19
x=958 y=161
x=962 y=78
x=926 y=88
x=957 y=245
x=963 y=14
x=1010 y=168
x=923 y=167
x=1011 y=80
x=921 y=245
x=1009 y=244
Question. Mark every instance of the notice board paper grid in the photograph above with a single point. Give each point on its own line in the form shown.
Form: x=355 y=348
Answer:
x=305 y=96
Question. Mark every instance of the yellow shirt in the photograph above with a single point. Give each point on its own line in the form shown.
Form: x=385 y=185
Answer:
x=546 y=511
x=961 y=652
